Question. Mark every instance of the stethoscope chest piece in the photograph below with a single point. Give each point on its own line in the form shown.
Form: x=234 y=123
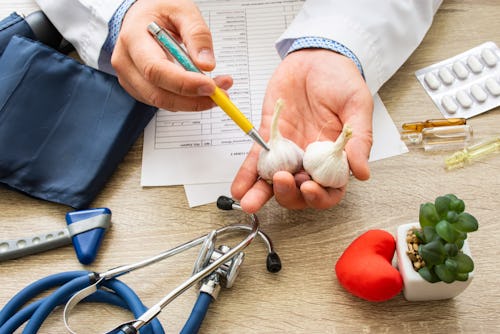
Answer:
x=213 y=268
x=228 y=271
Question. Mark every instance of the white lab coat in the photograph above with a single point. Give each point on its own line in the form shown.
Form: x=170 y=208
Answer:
x=381 y=33
x=84 y=23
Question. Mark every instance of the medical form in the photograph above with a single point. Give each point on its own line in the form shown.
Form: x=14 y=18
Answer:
x=204 y=150
x=188 y=147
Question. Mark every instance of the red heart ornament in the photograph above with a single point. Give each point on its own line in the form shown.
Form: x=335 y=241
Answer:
x=365 y=268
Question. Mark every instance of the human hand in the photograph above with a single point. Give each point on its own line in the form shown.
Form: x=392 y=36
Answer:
x=322 y=91
x=145 y=70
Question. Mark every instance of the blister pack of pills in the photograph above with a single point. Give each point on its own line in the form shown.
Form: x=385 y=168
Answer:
x=465 y=85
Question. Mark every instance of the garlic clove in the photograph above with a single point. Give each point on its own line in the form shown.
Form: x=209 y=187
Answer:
x=326 y=161
x=283 y=154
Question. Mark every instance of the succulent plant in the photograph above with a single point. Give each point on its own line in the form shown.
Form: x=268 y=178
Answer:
x=444 y=227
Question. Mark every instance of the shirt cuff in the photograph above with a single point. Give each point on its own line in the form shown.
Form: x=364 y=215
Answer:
x=325 y=43
x=115 y=24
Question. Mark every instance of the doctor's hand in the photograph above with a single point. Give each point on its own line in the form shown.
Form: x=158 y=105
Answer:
x=145 y=70
x=322 y=91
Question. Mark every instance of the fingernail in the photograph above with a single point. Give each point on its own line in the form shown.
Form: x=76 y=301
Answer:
x=206 y=56
x=205 y=90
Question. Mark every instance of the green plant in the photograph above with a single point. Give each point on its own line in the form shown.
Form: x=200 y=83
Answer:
x=444 y=227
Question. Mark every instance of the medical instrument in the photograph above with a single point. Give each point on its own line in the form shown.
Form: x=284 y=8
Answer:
x=35 y=26
x=46 y=33
x=170 y=45
x=440 y=138
x=85 y=231
x=431 y=123
x=212 y=267
x=464 y=85
x=473 y=153
x=66 y=158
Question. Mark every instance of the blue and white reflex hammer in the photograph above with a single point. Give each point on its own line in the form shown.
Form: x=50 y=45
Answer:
x=85 y=230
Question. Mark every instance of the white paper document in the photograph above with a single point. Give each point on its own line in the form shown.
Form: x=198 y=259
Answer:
x=204 y=150
x=386 y=143
x=207 y=147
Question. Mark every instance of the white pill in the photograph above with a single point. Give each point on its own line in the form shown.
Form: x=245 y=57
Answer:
x=445 y=75
x=474 y=64
x=489 y=57
x=492 y=86
x=464 y=99
x=431 y=80
x=460 y=70
x=478 y=93
x=449 y=104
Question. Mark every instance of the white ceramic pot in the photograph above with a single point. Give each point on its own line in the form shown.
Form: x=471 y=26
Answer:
x=415 y=287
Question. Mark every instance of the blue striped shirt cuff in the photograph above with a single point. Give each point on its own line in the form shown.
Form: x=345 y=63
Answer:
x=325 y=43
x=114 y=26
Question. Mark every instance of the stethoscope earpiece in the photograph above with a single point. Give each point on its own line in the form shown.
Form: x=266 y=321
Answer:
x=213 y=267
x=273 y=262
x=226 y=203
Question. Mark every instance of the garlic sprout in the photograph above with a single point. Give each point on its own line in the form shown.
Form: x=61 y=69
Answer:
x=283 y=154
x=326 y=161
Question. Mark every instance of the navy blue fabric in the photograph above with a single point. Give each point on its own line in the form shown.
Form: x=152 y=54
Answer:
x=64 y=127
x=13 y=25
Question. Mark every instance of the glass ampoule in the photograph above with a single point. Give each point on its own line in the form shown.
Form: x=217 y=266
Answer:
x=432 y=123
x=473 y=153
x=440 y=138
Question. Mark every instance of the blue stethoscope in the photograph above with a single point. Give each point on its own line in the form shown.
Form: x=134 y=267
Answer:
x=213 y=268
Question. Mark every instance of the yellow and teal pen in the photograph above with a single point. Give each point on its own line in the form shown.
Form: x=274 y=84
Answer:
x=219 y=97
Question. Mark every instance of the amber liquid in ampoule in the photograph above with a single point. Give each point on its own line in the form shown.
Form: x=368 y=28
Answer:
x=431 y=123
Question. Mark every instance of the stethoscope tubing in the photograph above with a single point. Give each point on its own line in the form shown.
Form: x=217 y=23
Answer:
x=13 y=315
x=71 y=282
x=153 y=311
x=198 y=313
x=23 y=315
x=34 y=289
x=53 y=300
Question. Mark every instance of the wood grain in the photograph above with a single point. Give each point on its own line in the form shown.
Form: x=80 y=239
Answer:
x=305 y=297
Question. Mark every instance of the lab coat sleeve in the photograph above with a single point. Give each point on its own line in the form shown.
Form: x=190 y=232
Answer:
x=382 y=34
x=84 y=23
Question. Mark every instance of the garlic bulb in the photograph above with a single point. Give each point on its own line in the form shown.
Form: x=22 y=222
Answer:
x=326 y=161
x=283 y=154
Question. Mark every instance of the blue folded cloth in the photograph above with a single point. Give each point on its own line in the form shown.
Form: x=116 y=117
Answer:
x=64 y=127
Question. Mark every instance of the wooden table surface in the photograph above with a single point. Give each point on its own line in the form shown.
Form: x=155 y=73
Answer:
x=305 y=297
